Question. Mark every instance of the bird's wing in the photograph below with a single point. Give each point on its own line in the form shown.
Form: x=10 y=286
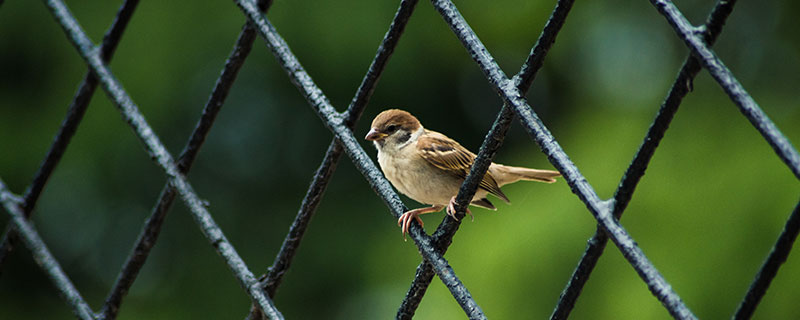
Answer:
x=446 y=154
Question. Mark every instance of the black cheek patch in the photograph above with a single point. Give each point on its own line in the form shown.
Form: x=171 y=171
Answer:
x=404 y=137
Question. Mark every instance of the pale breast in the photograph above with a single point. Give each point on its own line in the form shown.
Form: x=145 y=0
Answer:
x=417 y=179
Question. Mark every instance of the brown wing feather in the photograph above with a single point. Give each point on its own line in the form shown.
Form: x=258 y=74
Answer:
x=446 y=154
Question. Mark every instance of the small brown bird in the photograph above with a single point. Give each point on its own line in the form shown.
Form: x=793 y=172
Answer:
x=429 y=167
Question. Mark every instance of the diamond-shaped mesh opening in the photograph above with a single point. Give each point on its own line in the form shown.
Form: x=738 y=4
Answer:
x=515 y=107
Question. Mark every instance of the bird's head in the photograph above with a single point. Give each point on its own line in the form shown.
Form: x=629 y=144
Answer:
x=394 y=127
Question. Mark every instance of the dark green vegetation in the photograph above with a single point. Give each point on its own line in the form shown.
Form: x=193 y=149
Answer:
x=709 y=209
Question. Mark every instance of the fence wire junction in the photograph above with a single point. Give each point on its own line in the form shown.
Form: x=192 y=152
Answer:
x=432 y=247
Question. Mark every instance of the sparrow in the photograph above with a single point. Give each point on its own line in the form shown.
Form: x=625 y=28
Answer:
x=429 y=167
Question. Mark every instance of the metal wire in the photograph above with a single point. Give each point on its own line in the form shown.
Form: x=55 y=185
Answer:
x=444 y=233
x=155 y=148
x=73 y=118
x=730 y=85
x=323 y=174
x=321 y=178
x=334 y=122
x=42 y=255
x=636 y=169
x=770 y=267
x=600 y=209
x=152 y=227
x=433 y=247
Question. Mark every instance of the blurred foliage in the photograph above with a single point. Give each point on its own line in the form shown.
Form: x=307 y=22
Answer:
x=713 y=201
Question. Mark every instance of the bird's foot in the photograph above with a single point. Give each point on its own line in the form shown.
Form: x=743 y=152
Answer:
x=405 y=219
x=451 y=209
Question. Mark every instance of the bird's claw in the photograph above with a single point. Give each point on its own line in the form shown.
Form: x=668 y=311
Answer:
x=451 y=210
x=405 y=221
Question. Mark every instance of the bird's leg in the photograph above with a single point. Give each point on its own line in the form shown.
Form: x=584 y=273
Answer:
x=405 y=219
x=451 y=209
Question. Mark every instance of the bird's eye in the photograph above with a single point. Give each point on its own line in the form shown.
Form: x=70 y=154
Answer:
x=391 y=128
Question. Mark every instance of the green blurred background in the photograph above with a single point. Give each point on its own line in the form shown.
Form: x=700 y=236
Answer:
x=713 y=201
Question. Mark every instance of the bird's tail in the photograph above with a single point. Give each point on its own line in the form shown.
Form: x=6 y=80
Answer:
x=514 y=174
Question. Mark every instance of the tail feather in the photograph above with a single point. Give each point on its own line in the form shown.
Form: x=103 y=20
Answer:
x=485 y=203
x=508 y=174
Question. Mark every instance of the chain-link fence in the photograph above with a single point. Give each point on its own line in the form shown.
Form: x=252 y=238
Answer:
x=511 y=90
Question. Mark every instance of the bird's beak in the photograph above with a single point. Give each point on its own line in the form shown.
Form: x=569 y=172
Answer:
x=375 y=135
